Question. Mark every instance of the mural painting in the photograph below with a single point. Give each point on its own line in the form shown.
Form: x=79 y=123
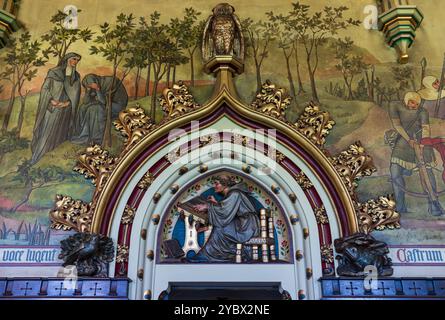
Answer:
x=64 y=82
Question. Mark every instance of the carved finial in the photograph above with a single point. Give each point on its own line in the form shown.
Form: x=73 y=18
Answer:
x=69 y=214
x=378 y=215
x=177 y=101
x=399 y=21
x=133 y=124
x=272 y=101
x=315 y=124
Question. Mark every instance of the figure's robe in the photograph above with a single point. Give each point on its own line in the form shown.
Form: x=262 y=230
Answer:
x=91 y=119
x=90 y=122
x=54 y=125
x=235 y=221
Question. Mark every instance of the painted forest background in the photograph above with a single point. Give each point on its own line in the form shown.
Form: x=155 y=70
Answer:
x=308 y=51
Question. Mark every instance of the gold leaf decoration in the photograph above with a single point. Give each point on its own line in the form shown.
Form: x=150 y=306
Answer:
x=177 y=101
x=96 y=164
x=321 y=215
x=133 y=124
x=128 y=216
x=327 y=253
x=146 y=181
x=272 y=101
x=378 y=214
x=122 y=253
x=315 y=124
x=352 y=165
x=303 y=181
x=69 y=214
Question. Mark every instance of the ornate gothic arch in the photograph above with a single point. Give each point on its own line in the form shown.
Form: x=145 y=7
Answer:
x=315 y=189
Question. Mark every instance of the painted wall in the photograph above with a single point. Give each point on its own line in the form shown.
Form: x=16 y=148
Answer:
x=27 y=192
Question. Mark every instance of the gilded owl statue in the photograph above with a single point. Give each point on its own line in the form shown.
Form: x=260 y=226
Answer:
x=223 y=34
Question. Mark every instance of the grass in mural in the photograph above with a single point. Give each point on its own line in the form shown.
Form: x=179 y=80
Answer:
x=411 y=236
x=35 y=234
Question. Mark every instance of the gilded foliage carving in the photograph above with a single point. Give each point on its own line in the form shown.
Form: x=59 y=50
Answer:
x=352 y=165
x=177 y=101
x=378 y=214
x=272 y=101
x=69 y=214
x=96 y=164
x=315 y=124
x=133 y=124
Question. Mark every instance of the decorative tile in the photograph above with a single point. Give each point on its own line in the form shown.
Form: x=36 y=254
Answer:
x=95 y=288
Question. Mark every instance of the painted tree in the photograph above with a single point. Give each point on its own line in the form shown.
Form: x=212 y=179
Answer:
x=349 y=65
x=312 y=29
x=285 y=41
x=290 y=24
x=404 y=77
x=22 y=58
x=384 y=92
x=60 y=39
x=259 y=36
x=370 y=81
x=137 y=60
x=9 y=142
x=176 y=32
x=190 y=37
x=161 y=52
x=148 y=31
x=114 y=44
x=35 y=178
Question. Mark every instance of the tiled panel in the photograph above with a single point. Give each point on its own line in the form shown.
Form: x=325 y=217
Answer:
x=51 y=288
x=387 y=288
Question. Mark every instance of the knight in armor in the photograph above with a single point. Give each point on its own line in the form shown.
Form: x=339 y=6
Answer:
x=411 y=121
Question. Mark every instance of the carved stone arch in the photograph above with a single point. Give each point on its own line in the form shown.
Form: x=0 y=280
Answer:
x=155 y=209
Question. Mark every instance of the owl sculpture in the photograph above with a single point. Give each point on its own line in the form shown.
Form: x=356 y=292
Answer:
x=222 y=34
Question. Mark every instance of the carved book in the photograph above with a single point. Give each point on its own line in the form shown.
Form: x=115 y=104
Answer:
x=189 y=206
x=172 y=249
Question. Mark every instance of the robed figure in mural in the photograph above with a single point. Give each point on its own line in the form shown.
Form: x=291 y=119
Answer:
x=411 y=121
x=91 y=118
x=235 y=220
x=59 y=100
